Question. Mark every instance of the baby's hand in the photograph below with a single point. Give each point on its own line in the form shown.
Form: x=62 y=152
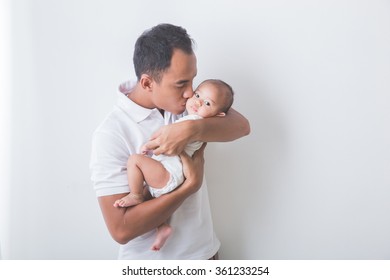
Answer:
x=145 y=151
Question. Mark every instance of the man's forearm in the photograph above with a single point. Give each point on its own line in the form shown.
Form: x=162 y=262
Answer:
x=151 y=214
x=172 y=139
x=221 y=129
x=125 y=224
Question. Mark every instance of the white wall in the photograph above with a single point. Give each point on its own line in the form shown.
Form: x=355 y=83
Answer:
x=312 y=181
x=5 y=124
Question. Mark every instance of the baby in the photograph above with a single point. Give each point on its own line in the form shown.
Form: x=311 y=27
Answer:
x=163 y=174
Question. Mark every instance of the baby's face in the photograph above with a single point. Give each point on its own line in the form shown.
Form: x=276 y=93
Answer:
x=206 y=102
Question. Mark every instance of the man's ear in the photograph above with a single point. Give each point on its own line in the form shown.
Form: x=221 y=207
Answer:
x=146 y=82
x=222 y=114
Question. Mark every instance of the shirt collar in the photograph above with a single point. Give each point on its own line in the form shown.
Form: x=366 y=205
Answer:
x=136 y=112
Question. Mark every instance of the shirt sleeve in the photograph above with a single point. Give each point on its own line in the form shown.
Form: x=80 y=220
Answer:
x=109 y=164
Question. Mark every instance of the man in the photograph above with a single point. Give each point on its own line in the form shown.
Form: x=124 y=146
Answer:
x=165 y=65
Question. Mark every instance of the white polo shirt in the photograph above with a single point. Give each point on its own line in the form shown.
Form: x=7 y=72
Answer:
x=121 y=134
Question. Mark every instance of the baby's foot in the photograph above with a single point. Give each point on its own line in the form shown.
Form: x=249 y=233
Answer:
x=163 y=232
x=129 y=200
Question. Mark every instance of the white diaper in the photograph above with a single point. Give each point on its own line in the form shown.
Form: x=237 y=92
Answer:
x=174 y=166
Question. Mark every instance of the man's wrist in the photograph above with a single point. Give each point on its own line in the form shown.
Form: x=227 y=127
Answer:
x=188 y=188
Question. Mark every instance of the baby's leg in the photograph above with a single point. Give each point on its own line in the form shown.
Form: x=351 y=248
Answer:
x=139 y=169
x=163 y=232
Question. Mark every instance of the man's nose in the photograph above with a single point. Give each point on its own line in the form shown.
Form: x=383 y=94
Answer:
x=188 y=93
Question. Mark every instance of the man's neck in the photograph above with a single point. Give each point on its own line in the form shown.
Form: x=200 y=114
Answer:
x=141 y=97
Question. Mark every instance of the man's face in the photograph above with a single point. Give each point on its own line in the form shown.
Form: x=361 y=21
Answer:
x=175 y=87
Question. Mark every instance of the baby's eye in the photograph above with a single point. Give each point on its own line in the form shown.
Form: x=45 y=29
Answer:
x=197 y=95
x=207 y=103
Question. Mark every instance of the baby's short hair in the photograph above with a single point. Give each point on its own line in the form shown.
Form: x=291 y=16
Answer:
x=224 y=88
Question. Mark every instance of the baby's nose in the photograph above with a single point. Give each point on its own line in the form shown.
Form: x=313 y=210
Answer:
x=198 y=102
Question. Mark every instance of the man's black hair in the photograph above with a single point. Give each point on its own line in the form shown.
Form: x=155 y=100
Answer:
x=154 y=48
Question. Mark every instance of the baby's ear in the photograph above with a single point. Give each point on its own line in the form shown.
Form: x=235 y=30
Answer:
x=222 y=114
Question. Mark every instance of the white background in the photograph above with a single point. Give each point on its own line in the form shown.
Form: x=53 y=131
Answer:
x=312 y=181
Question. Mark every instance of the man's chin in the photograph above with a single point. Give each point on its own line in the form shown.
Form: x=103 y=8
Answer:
x=179 y=112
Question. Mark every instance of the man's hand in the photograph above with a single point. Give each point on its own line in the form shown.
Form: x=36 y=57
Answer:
x=171 y=139
x=193 y=169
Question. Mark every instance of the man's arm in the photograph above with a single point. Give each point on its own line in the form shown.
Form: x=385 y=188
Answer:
x=222 y=129
x=171 y=139
x=125 y=224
